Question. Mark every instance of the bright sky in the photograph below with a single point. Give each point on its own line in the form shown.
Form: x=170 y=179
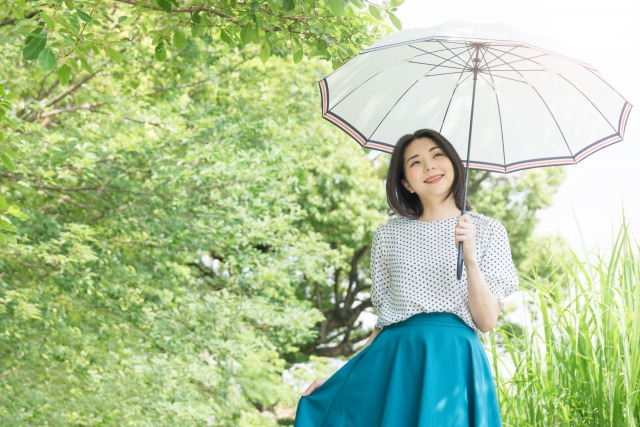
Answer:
x=605 y=34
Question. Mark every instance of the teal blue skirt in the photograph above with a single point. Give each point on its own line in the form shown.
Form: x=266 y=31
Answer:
x=429 y=370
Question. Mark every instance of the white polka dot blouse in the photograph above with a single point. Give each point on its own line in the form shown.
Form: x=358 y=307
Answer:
x=413 y=267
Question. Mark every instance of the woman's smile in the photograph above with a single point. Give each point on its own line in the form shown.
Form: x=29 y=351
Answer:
x=433 y=181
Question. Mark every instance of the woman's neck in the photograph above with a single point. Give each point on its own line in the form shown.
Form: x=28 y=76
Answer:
x=439 y=212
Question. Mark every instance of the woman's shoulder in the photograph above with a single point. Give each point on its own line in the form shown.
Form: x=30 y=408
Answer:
x=393 y=223
x=483 y=222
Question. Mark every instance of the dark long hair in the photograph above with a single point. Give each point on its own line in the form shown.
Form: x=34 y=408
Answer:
x=407 y=203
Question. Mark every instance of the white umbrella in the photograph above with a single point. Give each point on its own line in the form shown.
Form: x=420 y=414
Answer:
x=535 y=103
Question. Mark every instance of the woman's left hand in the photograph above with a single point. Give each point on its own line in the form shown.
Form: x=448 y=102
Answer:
x=466 y=233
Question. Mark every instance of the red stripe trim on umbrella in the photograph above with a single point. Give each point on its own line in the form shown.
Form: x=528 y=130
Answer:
x=540 y=163
x=611 y=140
x=345 y=127
x=323 y=95
x=380 y=147
x=623 y=119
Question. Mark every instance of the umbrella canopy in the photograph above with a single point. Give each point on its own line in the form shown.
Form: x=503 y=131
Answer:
x=536 y=104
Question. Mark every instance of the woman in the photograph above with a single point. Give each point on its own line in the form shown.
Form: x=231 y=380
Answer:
x=424 y=364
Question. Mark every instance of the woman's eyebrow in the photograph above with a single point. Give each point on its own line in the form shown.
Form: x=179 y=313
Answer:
x=416 y=155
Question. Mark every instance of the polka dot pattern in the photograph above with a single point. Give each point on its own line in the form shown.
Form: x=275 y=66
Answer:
x=413 y=267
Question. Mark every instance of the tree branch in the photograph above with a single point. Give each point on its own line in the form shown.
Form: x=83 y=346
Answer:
x=10 y=21
x=47 y=92
x=184 y=9
x=85 y=106
x=71 y=89
x=476 y=184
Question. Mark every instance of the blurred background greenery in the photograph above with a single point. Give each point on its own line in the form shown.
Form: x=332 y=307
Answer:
x=183 y=232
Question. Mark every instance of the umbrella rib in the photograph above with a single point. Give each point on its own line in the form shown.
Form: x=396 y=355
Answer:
x=360 y=85
x=568 y=81
x=454 y=89
x=490 y=85
x=498 y=57
x=514 y=70
x=434 y=65
x=520 y=60
x=591 y=102
x=516 y=55
x=549 y=110
x=605 y=82
x=402 y=96
x=495 y=91
x=436 y=51
x=507 y=78
x=458 y=56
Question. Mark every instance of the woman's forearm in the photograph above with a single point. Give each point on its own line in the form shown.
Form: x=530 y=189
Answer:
x=483 y=305
x=375 y=332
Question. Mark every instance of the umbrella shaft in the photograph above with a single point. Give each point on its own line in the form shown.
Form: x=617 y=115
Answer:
x=476 y=62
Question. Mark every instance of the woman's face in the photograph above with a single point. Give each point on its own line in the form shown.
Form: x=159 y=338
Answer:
x=424 y=159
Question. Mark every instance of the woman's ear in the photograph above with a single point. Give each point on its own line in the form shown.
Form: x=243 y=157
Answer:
x=406 y=185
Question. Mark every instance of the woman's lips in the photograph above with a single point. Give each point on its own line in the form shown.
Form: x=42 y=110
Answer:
x=435 y=180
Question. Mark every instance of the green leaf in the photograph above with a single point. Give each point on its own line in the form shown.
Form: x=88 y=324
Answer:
x=246 y=34
x=3 y=203
x=20 y=215
x=288 y=5
x=7 y=162
x=196 y=31
x=297 y=56
x=17 y=13
x=47 y=60
x=13 y=153
x=161 y=52
x=225 y=37
x=395 y=3
x=395 y=21
x=357 y=3
x=73 y=64
x=33 y=48
x=49 y=20
x=179 y=40
x=4 y=225
x=264 y=53
x=82 y=15
x=64 y=73
x=165 y=5
x=335 y=6
x=374 y=11
x=85 y=64
x=114 y=55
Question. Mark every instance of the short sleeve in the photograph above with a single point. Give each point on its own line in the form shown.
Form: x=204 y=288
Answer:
x=380 y=277
x=497 y=265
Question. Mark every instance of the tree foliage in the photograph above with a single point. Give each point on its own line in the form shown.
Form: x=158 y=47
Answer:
x=195 y=227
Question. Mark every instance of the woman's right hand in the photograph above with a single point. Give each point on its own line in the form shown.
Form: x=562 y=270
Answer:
x=314 y=385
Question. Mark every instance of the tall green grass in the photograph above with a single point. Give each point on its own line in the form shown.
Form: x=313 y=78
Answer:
x=577 y=363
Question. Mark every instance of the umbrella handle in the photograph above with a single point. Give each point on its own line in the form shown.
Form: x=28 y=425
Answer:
x=459 y=260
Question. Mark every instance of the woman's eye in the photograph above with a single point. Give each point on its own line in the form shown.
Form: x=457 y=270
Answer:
x=415 y=162
x=438 y=154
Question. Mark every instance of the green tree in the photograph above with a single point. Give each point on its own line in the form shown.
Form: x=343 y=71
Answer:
x=195 y=227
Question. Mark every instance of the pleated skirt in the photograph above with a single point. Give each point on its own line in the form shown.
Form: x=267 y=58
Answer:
x=429 y=370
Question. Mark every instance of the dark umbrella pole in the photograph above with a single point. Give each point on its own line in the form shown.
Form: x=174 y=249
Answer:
x=476 y=66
